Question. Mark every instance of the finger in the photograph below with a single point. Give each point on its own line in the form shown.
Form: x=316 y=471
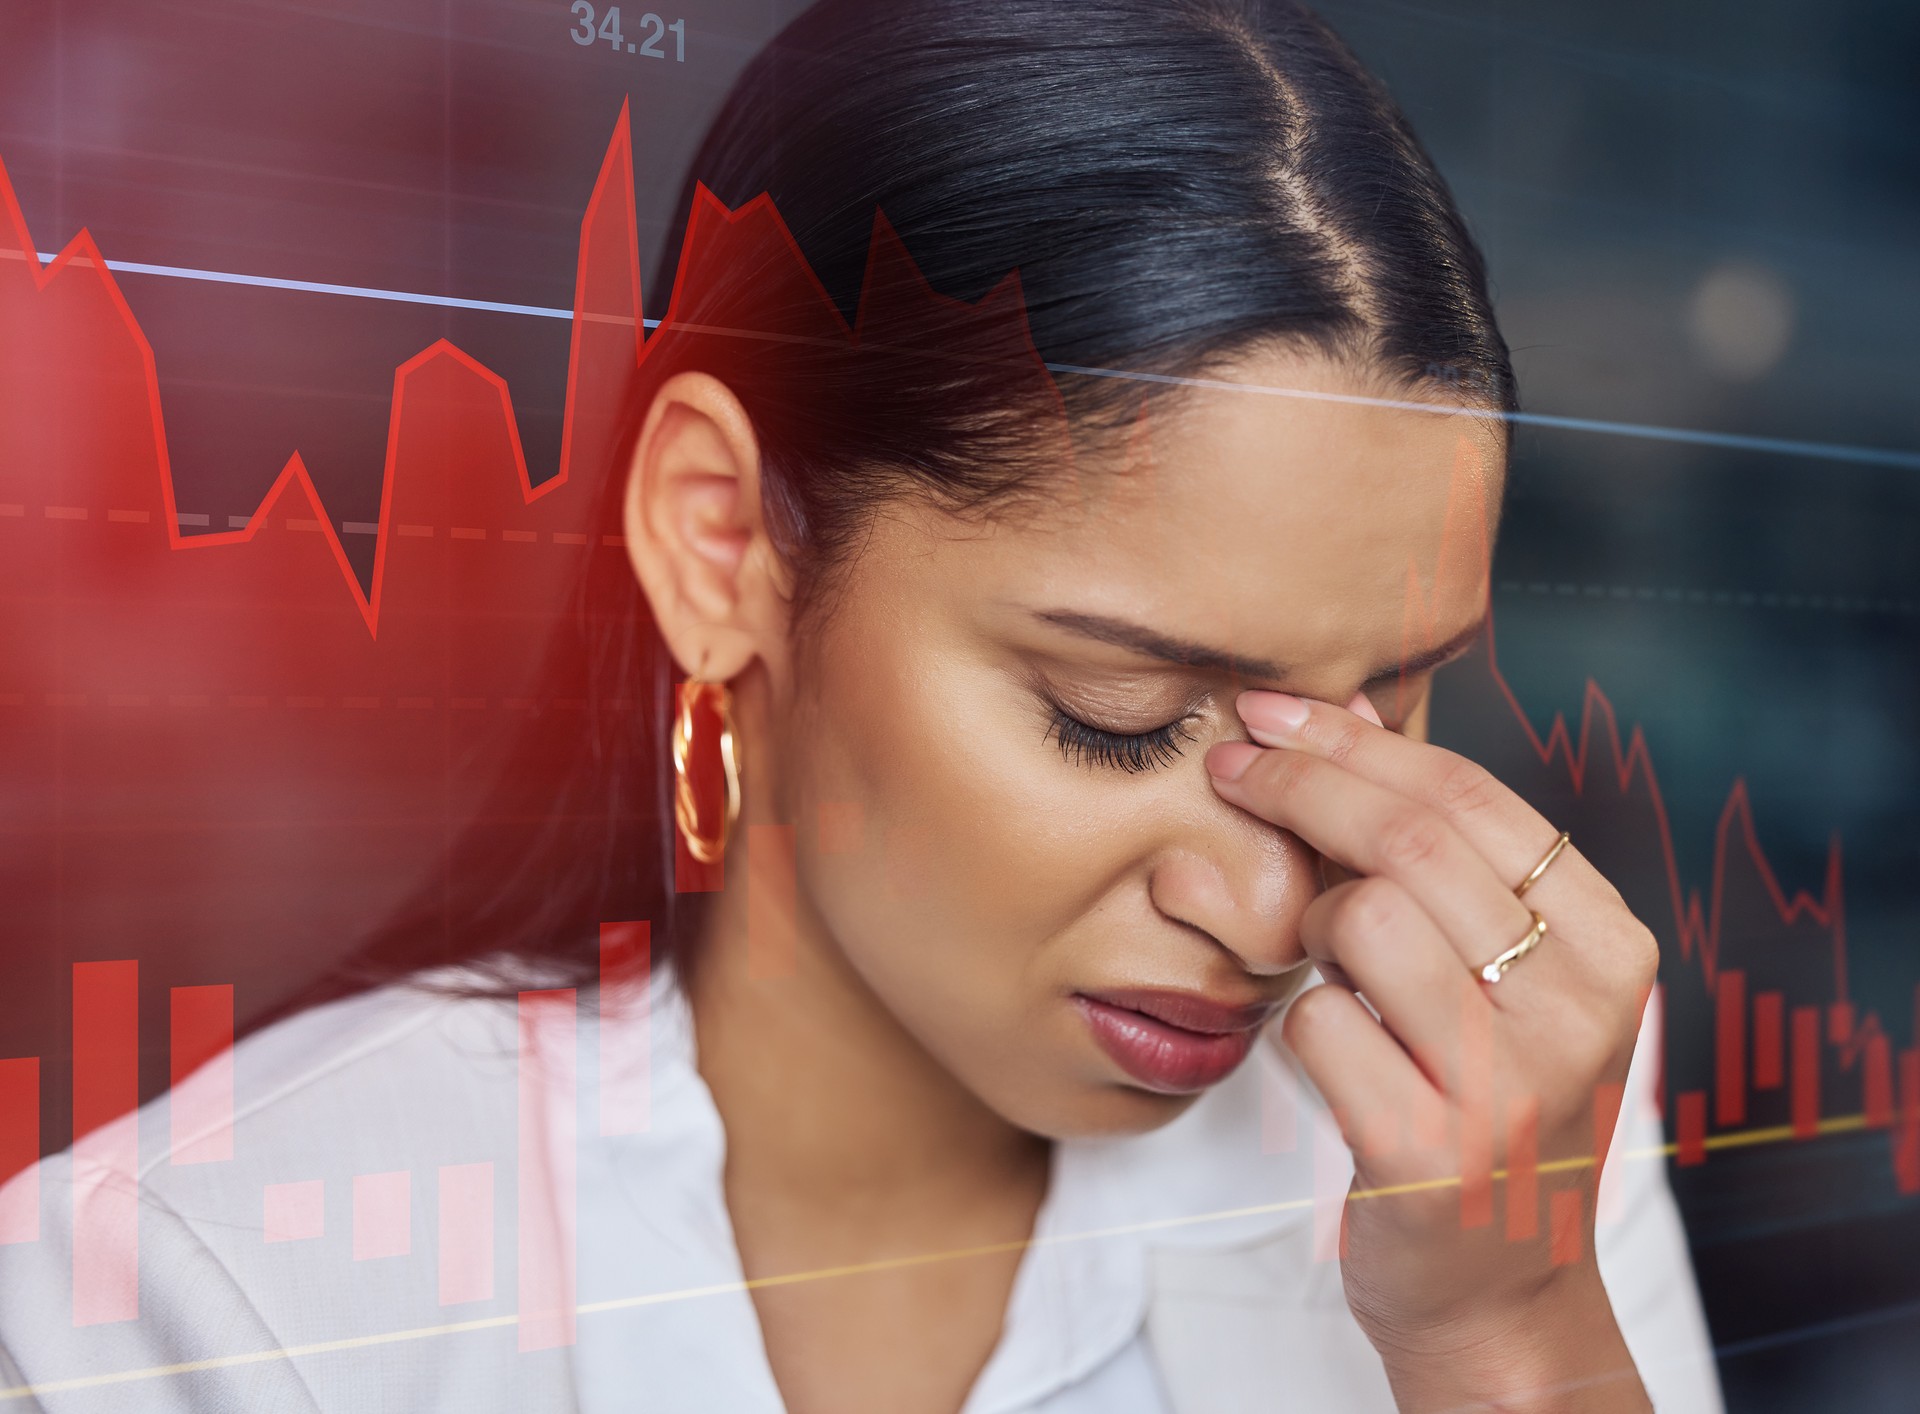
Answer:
x=1331 y=972
x=1371 y=829
x=1357 y=1067
x=1575 y=898
x=1382 y=941
x=1373 y=935
x=1511 y=834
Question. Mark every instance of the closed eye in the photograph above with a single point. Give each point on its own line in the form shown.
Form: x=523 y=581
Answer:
x=1086 y=744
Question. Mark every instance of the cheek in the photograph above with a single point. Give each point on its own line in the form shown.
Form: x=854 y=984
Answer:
x=968 y=850
x=987 y=879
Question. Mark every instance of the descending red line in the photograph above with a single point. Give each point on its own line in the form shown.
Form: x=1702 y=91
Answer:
x=82 y=253
x=610 y=213
x=1697 y=930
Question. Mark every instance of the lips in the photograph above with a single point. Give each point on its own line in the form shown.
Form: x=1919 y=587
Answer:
x=1172 y=1042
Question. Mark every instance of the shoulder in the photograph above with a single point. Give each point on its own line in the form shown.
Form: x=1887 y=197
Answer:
x=377 y=1082
x=242 y=1218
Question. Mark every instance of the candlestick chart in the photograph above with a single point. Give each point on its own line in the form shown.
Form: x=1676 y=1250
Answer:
x=208 y=727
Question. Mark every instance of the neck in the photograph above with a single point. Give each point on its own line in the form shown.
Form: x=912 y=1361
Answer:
x=837 y=1119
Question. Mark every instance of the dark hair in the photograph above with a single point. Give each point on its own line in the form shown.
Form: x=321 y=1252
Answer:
x=1174 y=181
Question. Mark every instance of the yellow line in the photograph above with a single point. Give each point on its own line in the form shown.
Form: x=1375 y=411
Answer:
x=1737 y=1139
x=254 y=1357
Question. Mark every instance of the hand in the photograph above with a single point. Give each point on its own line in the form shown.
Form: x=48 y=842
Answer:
x=1432 y=1095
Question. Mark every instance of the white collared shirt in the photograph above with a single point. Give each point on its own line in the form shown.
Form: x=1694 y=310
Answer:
x=1170 y=1272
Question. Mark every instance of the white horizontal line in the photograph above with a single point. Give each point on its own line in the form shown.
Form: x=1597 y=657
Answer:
x=1732 y=441
x=319 y=287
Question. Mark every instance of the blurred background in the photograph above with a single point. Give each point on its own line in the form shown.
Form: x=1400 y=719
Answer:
x=1700 y=220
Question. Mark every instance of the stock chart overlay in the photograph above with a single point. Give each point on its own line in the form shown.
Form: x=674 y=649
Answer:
x=315 y=324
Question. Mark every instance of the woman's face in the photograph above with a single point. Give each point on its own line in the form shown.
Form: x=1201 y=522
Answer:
x=993 y=746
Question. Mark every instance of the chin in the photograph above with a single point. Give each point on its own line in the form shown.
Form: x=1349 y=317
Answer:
x=1102 y=1110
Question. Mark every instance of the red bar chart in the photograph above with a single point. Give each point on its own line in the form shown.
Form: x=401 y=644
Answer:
x=106 y=1148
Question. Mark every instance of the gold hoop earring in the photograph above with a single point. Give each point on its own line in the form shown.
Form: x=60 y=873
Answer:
x=706 y=847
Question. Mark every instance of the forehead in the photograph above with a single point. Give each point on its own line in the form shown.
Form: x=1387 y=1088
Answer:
x=1282 y=510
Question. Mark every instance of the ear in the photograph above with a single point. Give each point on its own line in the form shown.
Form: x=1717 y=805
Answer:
x=695 y=534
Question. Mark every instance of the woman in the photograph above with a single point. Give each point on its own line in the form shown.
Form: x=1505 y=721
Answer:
x=1070 y=637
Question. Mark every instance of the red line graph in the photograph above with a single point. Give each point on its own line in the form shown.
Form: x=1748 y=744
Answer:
x=598 y=300
x=101 y=608
x=1697 y=931
x=1625 y=763
x=145 y=779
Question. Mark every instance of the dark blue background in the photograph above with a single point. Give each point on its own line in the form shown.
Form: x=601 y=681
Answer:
x=1755 y=612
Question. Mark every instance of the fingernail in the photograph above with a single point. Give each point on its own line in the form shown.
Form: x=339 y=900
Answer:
x=1228 y=761
x=1362 y=706
x=1272 y=713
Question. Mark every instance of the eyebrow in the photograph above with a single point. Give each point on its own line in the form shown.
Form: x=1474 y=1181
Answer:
x=1121 y=633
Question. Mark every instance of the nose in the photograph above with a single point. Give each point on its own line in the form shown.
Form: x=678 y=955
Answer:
x=1244 y=884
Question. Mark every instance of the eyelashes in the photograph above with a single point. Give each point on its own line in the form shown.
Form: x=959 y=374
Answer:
x=1133 y=752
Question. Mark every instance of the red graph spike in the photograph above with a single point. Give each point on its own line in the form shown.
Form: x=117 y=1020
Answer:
x=106 y=1150
x=200 y=1039
x=1806 y=1071
x=624 y=1023
x=382 y=1215
x=546 y=1173
x=466 y=1227
x=1730 y=1046
x=1697 y=932
x=272 y=734
x=184 y=715
x=80 y=296
x=19 y=1148
x=1691 y=1127
x=1523 y=1171
x=293 y=1212
x=1906 y=1144
x=1564 y=1210
x=1769 y=1064
x=1876 y=1101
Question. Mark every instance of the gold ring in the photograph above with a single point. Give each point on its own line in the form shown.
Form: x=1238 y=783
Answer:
x=1496 y=969
x=1520 y=889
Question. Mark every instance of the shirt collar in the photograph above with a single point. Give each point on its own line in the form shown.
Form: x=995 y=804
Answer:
x=1226 y=1170
x=1232 y=1168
